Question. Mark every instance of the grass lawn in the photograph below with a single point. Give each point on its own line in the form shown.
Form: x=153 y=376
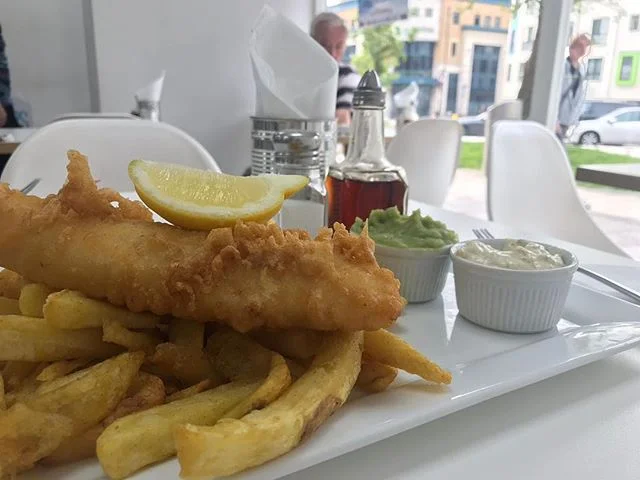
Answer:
x=471 y=156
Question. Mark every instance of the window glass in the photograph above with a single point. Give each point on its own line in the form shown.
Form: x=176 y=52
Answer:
x=626 y=117
x=594 y=69
x=626 y=68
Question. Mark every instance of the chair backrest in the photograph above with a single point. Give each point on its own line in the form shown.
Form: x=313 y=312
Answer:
x=510 y=110
x=87 y=115
x=110 y=144
x=531 y=186
x=428 y=150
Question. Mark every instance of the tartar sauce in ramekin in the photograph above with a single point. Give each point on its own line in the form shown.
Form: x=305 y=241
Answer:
x=514 y=255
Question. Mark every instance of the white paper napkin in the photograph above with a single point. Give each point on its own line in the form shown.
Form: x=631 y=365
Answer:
x=295 y=77
x=407 y=96
x=153 y=91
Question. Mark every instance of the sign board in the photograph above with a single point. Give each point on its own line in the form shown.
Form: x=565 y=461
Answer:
x=380 y=12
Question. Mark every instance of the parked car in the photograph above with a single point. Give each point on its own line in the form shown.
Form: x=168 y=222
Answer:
x=598 y=108
x=622 y=126
x=473 y=125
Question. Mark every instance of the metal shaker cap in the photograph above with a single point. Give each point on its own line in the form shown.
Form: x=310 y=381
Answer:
x=369 y=93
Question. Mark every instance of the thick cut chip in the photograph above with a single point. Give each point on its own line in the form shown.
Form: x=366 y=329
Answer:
x=34 y=340
x=27 y=387
x=147 y=391
x=16 y=372
x=11 y=284
x=233 y=445
x=237 y=356
x=384 y=347
x=86 y=397
x=114 y=332
x=27 y=435
x=143 y=438
x=32 y=299
x=60 y=369
x=190 y=391
x=277 y=381
x=9 y=306
x=186 y=364
x=298 y=343
x=71 y=309
x=375 y=377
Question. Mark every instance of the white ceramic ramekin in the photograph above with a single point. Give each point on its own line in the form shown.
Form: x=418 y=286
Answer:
x=514 y=301
x=422 y=273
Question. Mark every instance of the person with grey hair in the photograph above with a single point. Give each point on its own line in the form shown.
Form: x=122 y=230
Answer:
x=330 y=31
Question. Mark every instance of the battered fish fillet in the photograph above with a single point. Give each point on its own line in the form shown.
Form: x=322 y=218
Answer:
x=248 y=276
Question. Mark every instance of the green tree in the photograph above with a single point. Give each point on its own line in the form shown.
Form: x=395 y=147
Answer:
x=382 y=51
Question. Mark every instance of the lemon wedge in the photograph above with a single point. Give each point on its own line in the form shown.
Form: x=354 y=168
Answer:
x=202 y=199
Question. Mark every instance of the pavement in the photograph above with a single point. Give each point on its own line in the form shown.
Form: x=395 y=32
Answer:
x=617 y=212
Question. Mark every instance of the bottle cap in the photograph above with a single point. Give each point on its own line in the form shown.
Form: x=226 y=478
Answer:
x=369 y=93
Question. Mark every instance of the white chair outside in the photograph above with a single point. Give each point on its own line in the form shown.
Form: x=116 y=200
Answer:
x=109 y=144
x=510 y=110
x=531 y=186
x=429 y=151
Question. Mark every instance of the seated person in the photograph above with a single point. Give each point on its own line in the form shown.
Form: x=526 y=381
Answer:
x=330 y=31
x=7 y=114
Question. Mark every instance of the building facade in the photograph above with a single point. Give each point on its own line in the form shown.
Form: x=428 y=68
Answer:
x=613 y=62
x=455 y=51
x=470 y=55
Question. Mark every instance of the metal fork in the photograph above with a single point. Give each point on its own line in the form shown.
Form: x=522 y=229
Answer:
x=484 y=234
x=30 y=186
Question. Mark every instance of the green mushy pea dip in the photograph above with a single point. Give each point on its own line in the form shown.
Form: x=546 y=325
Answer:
x=392 y=229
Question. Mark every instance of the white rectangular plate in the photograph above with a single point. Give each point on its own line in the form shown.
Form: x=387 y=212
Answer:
x=484 y=364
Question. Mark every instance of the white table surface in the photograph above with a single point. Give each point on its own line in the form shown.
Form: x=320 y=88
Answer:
x=584 y=424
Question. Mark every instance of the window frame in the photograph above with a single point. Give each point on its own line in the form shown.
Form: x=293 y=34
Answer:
x=601 y=37
x=635 y=68
x=521 y=70
x=595 y=61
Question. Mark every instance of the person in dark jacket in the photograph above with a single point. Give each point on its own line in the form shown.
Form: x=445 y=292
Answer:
x=7 y=113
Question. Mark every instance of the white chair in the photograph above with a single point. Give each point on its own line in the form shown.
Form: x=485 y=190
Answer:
x=109 y=144
x=429 y=151
x=531 y=186
x=510 y=110
x=87 y=115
